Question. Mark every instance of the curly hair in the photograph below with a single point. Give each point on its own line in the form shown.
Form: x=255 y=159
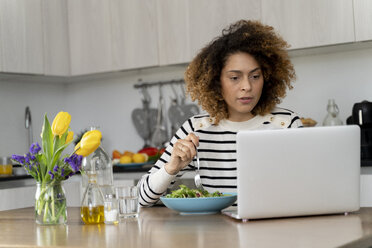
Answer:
x=202 y=76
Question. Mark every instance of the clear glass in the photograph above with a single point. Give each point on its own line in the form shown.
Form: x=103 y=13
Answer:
x=128 y=201
x=50 y=203
x=102 y=164
x=332 y=118
x=92 y=206
x=111 y=208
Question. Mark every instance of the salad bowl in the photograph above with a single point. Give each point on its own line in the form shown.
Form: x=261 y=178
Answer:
x=200 y=205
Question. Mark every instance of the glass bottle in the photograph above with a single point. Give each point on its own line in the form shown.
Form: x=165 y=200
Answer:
x=102 y=164
x=332 y=118
x=92 y=206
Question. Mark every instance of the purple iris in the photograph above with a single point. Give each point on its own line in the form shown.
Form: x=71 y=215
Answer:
x=55 y=169
x=35 y=148
x=18 y=158
x=51 y=174
x=74 y=161
x=62 y=172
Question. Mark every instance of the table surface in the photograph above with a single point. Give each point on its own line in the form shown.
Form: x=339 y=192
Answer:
x=162 y=227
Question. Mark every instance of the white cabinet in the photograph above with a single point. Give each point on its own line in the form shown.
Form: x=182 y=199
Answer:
x=56 y=39
x=69 y=38
x=313 y=23
x=77 y=37
x=186 y=26
x=363 y=19
x=134 y=34
x=87 y=37
x=21 y=37
x=17 y=197
x=173 y=30
x=89 y=32
x=21 y=193
x=207 y=18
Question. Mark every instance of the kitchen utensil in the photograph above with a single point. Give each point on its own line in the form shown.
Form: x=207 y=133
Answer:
x=197 y=179
x=179 y=112
x=144 y=119
x=28 y=125
x=160 y=134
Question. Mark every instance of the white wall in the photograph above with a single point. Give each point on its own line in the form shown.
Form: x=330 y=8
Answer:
x=15 y=95
x=344 y=76
x=107 y=101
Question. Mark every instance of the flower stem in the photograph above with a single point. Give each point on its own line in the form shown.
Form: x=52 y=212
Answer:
x=46 y=212
x=52 y=202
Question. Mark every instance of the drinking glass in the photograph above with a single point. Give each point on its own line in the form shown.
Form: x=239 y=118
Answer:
x=128 y=201
x=111 y=209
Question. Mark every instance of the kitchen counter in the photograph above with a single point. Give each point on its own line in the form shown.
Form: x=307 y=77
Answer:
x=162 y=227
x=116 y=169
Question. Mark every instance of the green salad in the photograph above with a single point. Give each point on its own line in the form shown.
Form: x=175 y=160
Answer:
x=185 y=192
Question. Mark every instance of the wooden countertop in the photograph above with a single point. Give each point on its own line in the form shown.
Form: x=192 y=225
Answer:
x=162 y=227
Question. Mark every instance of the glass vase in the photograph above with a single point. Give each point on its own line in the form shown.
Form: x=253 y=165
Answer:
x=50 y=203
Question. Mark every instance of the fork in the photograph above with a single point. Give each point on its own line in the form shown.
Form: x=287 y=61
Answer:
x=197 y=179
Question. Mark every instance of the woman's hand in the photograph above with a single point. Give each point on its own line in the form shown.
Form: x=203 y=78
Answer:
x=184 y=150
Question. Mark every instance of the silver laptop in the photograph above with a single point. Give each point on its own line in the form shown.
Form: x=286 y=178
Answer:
x=297 y=172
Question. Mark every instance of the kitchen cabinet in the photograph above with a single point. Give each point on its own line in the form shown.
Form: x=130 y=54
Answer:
x=21 y=193
x=21 y=36
x=88 y=37
x=70 y=38
x=174 y=31
x=186 y=26
x=77 y=37
x=207 y=18
x=314 y=23
x=134 y=34
x=363 y=19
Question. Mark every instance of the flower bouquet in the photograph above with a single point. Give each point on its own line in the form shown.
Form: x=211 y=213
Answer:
x=49 y=168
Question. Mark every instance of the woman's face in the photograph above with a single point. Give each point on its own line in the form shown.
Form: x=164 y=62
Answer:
x=241 y=84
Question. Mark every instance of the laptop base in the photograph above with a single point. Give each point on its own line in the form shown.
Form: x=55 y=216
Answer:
x=234 y=214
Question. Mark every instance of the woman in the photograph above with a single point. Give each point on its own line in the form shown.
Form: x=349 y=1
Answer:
x=238 y=78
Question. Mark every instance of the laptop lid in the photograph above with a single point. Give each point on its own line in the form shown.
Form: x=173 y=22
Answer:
x=298 y=172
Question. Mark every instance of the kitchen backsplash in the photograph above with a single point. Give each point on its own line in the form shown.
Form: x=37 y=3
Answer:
x=107 y=102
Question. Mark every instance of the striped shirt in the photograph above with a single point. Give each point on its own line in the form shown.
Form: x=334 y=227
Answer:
x=217 y=152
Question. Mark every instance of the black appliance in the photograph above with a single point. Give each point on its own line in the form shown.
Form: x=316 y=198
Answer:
x=362 y=116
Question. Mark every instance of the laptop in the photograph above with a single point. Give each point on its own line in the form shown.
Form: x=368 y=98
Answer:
x=297 y=172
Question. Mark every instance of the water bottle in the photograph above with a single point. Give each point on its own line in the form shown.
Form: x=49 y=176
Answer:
x=102 y=164
x=332 y=118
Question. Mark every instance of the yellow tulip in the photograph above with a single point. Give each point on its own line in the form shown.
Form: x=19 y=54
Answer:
x=61 y=123
x=89 y=143
x=69 y=137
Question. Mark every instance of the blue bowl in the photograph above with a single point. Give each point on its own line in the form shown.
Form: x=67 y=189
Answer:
x=202 y=205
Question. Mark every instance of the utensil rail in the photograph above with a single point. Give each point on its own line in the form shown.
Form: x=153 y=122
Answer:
x=141 y=84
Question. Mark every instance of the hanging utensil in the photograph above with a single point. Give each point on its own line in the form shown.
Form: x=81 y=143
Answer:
x=160 y=134
x=179 y=112
x=144 y=119
x=28 y=125
x=174 y=105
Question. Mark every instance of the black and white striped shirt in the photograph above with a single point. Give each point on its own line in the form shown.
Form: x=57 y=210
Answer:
x=217 y=152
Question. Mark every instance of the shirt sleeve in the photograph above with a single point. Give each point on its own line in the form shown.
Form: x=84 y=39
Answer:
x=158 y=180
x=295 y=121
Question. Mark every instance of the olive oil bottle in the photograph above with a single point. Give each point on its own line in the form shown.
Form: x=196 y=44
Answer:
x=93 y=215
x=92 y=210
